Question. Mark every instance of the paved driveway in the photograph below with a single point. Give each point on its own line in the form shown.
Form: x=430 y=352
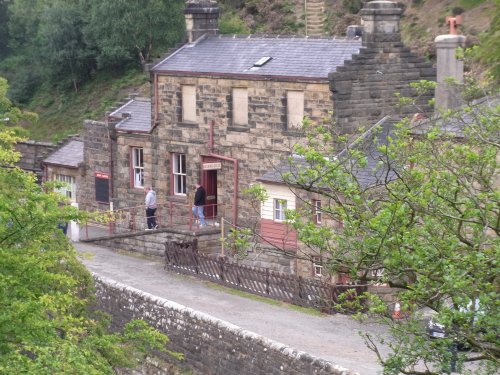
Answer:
x=331 y=337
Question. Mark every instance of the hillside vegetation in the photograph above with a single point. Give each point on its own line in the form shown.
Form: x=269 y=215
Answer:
x=69 y=61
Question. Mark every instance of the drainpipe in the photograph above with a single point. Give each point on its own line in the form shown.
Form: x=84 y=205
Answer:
x=111 y=135
x=155 y=94
x=235 y=174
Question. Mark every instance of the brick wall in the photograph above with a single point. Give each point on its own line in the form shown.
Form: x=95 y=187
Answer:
x=211 y=346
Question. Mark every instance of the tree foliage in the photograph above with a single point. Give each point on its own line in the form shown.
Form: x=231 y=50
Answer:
x=65 y=42
x=46 y=324
x=124 y=31
x=428 y=226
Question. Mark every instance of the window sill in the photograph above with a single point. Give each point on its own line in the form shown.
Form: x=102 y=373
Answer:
x=238 y=128
x=177 y=198
x=293 y=132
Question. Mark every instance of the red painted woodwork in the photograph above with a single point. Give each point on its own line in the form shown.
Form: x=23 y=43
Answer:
x=210 y=184
x=278 y=234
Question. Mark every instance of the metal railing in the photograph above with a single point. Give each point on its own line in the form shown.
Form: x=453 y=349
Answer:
x=168 y=215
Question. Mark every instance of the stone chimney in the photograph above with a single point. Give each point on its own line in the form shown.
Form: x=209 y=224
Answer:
x=202 y=17
x=380 y=21
x=450 y=71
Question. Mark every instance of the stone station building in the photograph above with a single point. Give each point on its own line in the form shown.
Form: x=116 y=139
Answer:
x=225 y=109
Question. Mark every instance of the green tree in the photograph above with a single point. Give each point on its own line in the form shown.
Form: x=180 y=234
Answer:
x=428 y=226
x=126 y=31
x=46 y=324
x=61 y=47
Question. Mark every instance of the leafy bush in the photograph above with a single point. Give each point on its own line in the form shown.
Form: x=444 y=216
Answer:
x=352 y=6
x=232 y=24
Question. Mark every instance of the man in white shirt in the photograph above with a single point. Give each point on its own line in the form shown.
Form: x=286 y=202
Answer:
x=150 y=203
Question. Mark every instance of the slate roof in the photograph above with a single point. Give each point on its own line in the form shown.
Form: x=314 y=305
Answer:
x=454 y=124
x=370 y=175
x=70 y=155
x=135 y=115
x=236 y=55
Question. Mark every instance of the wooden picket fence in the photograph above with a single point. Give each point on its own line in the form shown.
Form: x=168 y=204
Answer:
x=183 y=257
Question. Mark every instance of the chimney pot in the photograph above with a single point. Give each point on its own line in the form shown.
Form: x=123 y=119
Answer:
x=380 y=21
x=202 y=17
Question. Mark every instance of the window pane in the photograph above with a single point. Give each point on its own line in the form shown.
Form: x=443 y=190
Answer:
x=179 y=173
x=138 y=167
x=183 y=163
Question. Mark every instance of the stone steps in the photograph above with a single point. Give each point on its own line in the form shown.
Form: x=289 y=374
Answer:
x=315 y=17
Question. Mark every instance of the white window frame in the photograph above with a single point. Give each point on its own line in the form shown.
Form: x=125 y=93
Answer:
x=188 y=103
x=69 y=190
x=137 y=169
x=240 y=106
x=179 y=174
x=317 y=266
x=317 y=211
x=279 y=207
x=295 y=109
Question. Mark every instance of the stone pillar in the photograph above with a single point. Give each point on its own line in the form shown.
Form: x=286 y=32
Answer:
x=380 y=21
x=202 y=17
x=449 y=68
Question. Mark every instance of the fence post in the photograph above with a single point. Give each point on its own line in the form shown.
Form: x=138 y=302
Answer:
x=300 y=289
x=222 y=237
x=268 y=288
x=221 y=268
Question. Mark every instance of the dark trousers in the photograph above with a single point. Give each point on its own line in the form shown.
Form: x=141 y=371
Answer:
x=150 y=216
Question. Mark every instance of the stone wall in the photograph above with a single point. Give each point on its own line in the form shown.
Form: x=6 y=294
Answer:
x=210 y=346
x=96 y=156
x=153 y=243
x=125 y=194
x=32 y=154
x=364 y=88
x=257 y=146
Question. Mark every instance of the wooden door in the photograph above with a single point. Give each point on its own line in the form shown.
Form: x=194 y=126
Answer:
x=210 y=185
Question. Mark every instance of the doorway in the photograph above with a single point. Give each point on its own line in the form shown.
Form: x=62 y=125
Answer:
x=209 y=182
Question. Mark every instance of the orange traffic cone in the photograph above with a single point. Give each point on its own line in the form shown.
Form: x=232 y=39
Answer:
x=396 y=314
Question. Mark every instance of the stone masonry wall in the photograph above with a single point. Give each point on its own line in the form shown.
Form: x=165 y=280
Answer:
x=96 y=159
x=364 y=88
x=257 y=146
x=125 y=195
x=32 y=154
x=211 y=346
x=153 y=243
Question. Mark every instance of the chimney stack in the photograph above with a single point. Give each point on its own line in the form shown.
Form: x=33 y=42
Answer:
x=380 y=21
x=202 y=17
x=450 y=70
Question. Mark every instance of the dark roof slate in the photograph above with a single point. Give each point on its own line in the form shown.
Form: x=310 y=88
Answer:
x=69 y=155
x=135 y=116
x=236 y=55
x=368 y=176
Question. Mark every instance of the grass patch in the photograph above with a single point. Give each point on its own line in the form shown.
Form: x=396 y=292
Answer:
x=62 y=113
x=269 y=301
x=469 y=4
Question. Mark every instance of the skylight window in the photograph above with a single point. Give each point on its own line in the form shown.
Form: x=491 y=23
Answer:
x=264 y=60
